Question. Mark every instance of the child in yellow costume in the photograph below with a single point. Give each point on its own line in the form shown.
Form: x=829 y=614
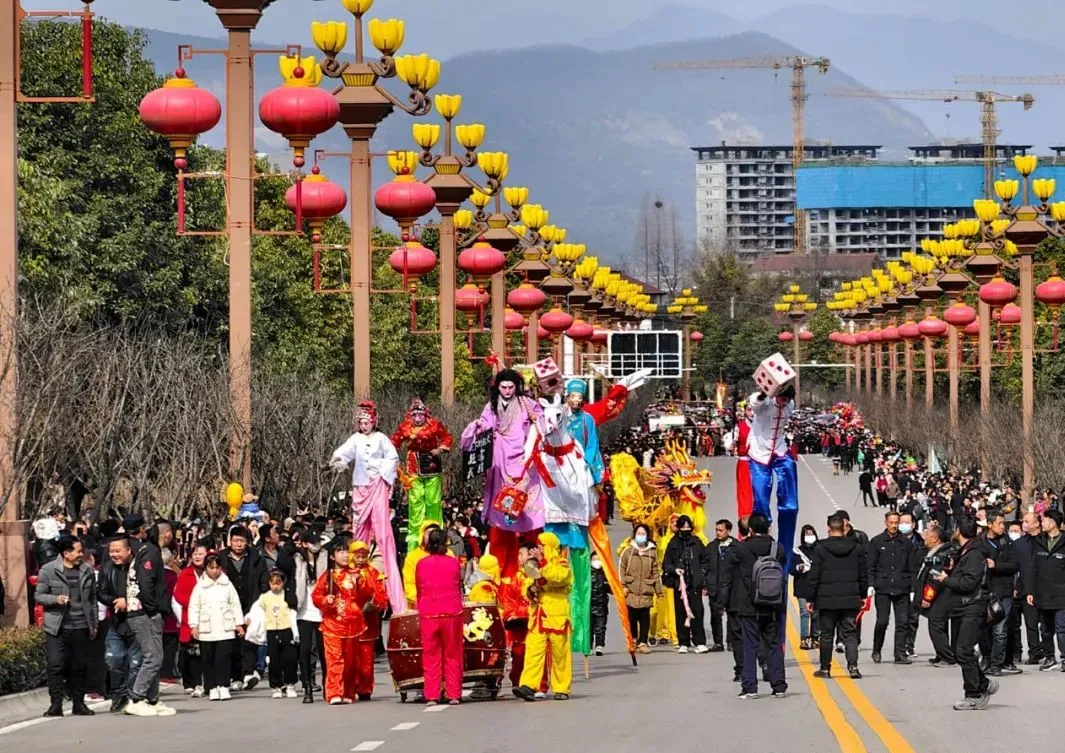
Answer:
x=549 y=624
x=486 y=589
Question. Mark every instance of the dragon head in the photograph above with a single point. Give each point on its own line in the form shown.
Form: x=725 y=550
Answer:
x=676 y=474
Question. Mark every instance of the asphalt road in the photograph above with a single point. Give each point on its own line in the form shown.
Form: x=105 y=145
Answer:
x=671 y=702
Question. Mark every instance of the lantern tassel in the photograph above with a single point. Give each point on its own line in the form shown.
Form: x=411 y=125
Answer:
x=413 y=311
x=299 y=203
x=180 y=203
x=1054 y=345
x=317 y=262
x=86 y=54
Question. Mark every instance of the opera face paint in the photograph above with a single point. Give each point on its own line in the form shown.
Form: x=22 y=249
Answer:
x=417 y=418
x=507 y=390
x=365 y=425
x=575 y=400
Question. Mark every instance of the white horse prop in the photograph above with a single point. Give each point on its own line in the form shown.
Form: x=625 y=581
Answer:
x=566 y=484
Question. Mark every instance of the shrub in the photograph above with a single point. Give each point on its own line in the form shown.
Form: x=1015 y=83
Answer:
x=22 y=660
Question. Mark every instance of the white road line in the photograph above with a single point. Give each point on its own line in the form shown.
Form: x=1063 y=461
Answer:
x=817 y=480
x=368 y=745
x=404 y=726
x=436 y=709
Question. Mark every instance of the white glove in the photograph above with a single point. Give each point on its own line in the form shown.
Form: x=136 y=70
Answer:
x=635 y=380
x=872 y=591
x=338 y=465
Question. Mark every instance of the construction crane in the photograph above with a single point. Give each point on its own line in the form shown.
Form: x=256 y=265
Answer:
x=798 y=65
x=988 y=117
x=1049 y=79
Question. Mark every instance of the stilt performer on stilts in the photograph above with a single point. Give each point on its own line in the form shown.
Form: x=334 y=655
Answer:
x=770 y=458
x=426 y=439
x=374 y=461
x=744 y=493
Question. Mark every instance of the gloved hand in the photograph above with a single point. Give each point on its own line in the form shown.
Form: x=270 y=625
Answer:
x=635 y=380
x=871 y=592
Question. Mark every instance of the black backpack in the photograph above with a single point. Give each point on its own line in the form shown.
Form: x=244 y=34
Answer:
x=767 y=580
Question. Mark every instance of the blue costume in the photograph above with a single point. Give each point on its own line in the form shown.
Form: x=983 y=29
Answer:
x=770 y=459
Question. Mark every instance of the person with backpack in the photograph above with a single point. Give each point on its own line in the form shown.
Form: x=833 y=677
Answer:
x=836 y=585
x=755 y=587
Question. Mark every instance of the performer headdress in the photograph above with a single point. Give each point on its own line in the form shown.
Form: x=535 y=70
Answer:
x=506 y=375
x=367 y=409
x=577 y=386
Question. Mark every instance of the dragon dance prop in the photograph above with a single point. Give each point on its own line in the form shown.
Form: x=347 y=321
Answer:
x=673 y=486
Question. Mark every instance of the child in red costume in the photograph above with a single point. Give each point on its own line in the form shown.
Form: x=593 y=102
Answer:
x=372 y=598
x=336 y=596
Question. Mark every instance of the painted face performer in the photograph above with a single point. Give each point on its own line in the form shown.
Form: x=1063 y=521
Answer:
x=426 y=439
x=770 y=459
x=374 y=460
x=508 y=415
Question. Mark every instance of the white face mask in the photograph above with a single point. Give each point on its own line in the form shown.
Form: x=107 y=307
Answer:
x=1014 y=535
x=905 y=528
x=597 y=565
x=810 y=540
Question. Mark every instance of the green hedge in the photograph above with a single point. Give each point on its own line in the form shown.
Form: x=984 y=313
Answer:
x=22 y=661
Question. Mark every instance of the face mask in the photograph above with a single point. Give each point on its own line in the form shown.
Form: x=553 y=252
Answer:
x=597 y=565
x=1014 y=535
x=641 y=538
x=685 y=534
x=810 y=540
x=905 y=528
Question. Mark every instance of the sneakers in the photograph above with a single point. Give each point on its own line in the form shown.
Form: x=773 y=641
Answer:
x=215 y=694
x=278 y=693
x=747 y=696
x=702 y=649
x=1012 y=669
x=525 y=693
x=682 y=649
x=824 y=673
x=1048 y=665
x=139 y=708
x=250 y=681
x=56 y=709
x=598 y=650
x=290 y=692
x=80 y=709
x=118 y=705
x=224 y=694
x=839 y=648
x=902 y=660
x=161 y=709
x=876 y=657
x=716 y=648
x=540 y=695
x=966 y=704
x=337 y=700
x=197 y=692
x=236 y=686
x=779 y=694
x=190 y=691
x=854 y=673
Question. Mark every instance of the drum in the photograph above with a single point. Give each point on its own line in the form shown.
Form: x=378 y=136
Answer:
x=404 y=650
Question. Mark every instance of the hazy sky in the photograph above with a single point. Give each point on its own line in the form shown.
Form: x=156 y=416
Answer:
x=445 y=27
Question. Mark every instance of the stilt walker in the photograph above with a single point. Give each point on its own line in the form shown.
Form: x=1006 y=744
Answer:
x=426 y=439
x=744 y=493
x=374 y=461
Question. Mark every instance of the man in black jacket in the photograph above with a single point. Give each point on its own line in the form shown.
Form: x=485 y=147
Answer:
x=839 y=578
x=908 y=531
x=1022 y=551
x=121 y=652
x=247 y=571
x=1047 y=590
x=1002 y=570
x=890 y=580
x=938 y=558
x=967 y=589
x=865 y=484
x=684 y=569
x=717 y=551
x=762 y=626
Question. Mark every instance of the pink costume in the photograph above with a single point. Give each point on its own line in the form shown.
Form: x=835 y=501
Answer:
x=374 y=461
x=439 y=581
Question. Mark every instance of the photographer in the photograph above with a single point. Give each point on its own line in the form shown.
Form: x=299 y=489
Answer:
x=938 y=559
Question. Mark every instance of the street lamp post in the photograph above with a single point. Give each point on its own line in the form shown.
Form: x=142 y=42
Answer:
x=686 y=306
x=797 y=307
x=364 y=104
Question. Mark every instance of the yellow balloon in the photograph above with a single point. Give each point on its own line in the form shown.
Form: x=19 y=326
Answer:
x=234 y=495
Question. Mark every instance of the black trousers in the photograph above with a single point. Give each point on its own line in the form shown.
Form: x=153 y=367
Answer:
x=243 y=657
x=762 y=634
x=843 y=619
x=1015 y=644
x=867 y=494
x=885 y=604
x=939 y=629
x=640 y=622
x=217 y=662
x=1032 y=628
x=599 y=629
x=170 y=651
x=95 y=667
x=694 y=634
x=735 y=637
x=311 y=647
x=284 y=655
x=717 y=616
x=66 y=655
x=913 y=623
x=191 y=663
x=970 y=621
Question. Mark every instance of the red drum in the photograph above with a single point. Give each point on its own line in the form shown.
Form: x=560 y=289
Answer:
x=484 y=649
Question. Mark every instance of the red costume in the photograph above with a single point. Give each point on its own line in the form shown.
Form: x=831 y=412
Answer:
x=744 y=491
x=369 y=588
x=420 y=468
x=342 y=624
x=514 y=608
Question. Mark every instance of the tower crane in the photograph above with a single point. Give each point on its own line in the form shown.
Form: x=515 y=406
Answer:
x=798 y=65
x=988 y=117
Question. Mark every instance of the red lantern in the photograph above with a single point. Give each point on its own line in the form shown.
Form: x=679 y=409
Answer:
x=1052 y=292
x=580 y=330
x=404 y=199
x=556 y=321
x=972 y=329
x=806 y=335
x=849 y=340
x=874 y=335
x=998 y=292
x=468 y=299
x=1011 y=315
x=696 y=337
x=481 y=261
x=890 y=334
x=862 y=338
x=959 y=315
x=785 y=337
x=526 y=298
x=512 y=320
x=932 y=326
x=910 y=331
x=543 y=334
x=412 y=260
x=834 y=337
x=321 y=200
x=181 y=111
x=299 y=112
x=600 y=337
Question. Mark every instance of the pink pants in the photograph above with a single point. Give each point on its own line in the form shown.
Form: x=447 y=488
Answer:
x=442 y=654
x=370 y=521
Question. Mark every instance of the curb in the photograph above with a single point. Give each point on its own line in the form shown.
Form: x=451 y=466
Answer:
x=19 y=707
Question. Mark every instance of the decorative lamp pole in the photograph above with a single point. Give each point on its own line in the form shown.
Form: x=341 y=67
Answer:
x=796 y=306
x=12 y=527
x=364 y=103
x=686 y=307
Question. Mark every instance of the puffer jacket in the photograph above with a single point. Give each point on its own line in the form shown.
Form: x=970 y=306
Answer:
x=640 y=575
x=214 y=609
x=600 y=593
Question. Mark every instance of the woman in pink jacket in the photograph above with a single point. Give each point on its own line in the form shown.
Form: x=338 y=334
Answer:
x=439 y=582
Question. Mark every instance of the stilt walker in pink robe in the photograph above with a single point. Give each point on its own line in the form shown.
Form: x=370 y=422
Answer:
x=374 y=461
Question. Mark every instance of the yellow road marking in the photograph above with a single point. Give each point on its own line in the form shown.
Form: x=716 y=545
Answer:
x=846 y=736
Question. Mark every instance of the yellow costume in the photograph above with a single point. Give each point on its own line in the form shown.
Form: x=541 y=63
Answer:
x=549 y=623
x=486 y=591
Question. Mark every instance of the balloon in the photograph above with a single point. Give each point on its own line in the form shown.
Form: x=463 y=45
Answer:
x=234 y=496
